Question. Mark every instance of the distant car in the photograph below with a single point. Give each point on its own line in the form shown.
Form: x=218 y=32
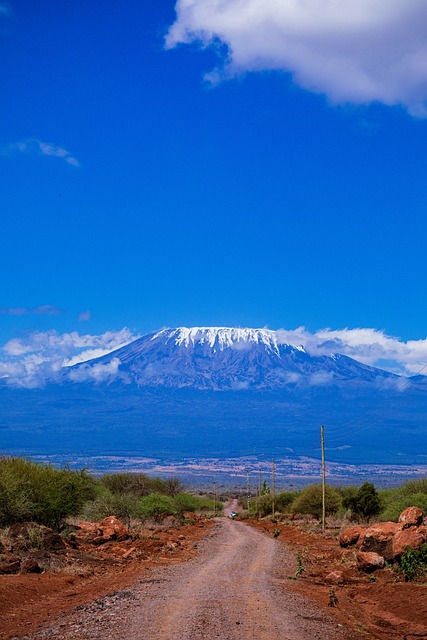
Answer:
x=233 y=514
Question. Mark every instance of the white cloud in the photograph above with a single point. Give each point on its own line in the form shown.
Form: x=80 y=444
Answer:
x=33 y=146
x=95 y=373
x=84 y=316
x=370 y=346
x=351 y=51
x=38 y=357
x=42 y=310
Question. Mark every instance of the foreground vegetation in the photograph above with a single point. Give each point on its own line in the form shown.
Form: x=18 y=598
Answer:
x=46 y=495
x=359 y=504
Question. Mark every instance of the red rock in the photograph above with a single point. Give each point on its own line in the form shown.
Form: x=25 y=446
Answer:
x=411 y=517
x=413 y=538
x=101 y=532
x=369 y=561
x=37 y=535
x=30 y=566
x=10 y=566
x=378 y=539
x=113 y=528
x=361 y=539
x=350 y=536
x=335 y=577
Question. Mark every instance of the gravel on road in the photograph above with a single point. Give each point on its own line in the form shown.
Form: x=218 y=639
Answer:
x=235 y=589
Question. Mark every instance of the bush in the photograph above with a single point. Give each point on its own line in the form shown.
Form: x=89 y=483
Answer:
x=413 y=563
x=309 y=501
x=284 y=500
x=265 y=504
x=123 y=506
x=363 y=502
x=140 y=484
x=156 y=506
x=185 y=502
x=410 y=494
x=41 y=493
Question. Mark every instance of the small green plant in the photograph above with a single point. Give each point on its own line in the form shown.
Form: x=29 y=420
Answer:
x=277 y=532
x=413 y=563
x=333 y=600
x=300 y=565
x=372 y=578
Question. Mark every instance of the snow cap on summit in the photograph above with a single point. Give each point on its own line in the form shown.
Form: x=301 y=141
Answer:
x=220 y=337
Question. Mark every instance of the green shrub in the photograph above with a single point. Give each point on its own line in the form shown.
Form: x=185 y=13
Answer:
x=309 y=501
x=185 y=502
x=156 y=506
x=363 y=502
x=284 y=500
x=42 y=493
x=413 y=563
x=264 y=504
x=140 y=484
x=396 y=503
x=410 y=494
x=124 y=506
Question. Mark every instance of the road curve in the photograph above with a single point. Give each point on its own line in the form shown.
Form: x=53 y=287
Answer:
x=235 y=589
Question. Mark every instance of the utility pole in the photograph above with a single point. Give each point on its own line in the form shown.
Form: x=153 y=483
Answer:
x=259 y=491
x=273 y=489
x=214 y=498
x=248 y=489
x=322 y=437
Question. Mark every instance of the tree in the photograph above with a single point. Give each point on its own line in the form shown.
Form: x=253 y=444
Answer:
x=364 y=503
x=265 y=489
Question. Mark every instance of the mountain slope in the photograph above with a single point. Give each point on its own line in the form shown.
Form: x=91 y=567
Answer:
x=219 y=392
x=220 y=359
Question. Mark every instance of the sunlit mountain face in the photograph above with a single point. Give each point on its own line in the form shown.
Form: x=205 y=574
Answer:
x=224 y=359
x=217 y=391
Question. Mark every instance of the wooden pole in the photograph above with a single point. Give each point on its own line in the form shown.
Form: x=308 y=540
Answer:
x=214 y=498
x=248 y=488
x=322 y=437
x=259 y=491
x=273 y=506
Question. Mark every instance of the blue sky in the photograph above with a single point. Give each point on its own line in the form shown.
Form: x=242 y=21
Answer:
x=228 y=183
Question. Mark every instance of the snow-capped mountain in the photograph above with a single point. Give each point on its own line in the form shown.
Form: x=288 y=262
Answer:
x=220 y=359
x=219 y=391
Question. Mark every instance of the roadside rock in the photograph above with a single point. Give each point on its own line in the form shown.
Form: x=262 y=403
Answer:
x=335 y=577
x=37 y=535
x=411 y=517
x=10 y=566
x=369 y=561
x=413 y=537
x=350 y=536
x=30 y=566
x=378 y=539
x=98 y=533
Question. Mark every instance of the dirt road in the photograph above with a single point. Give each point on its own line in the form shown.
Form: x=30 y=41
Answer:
x=234 y=590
